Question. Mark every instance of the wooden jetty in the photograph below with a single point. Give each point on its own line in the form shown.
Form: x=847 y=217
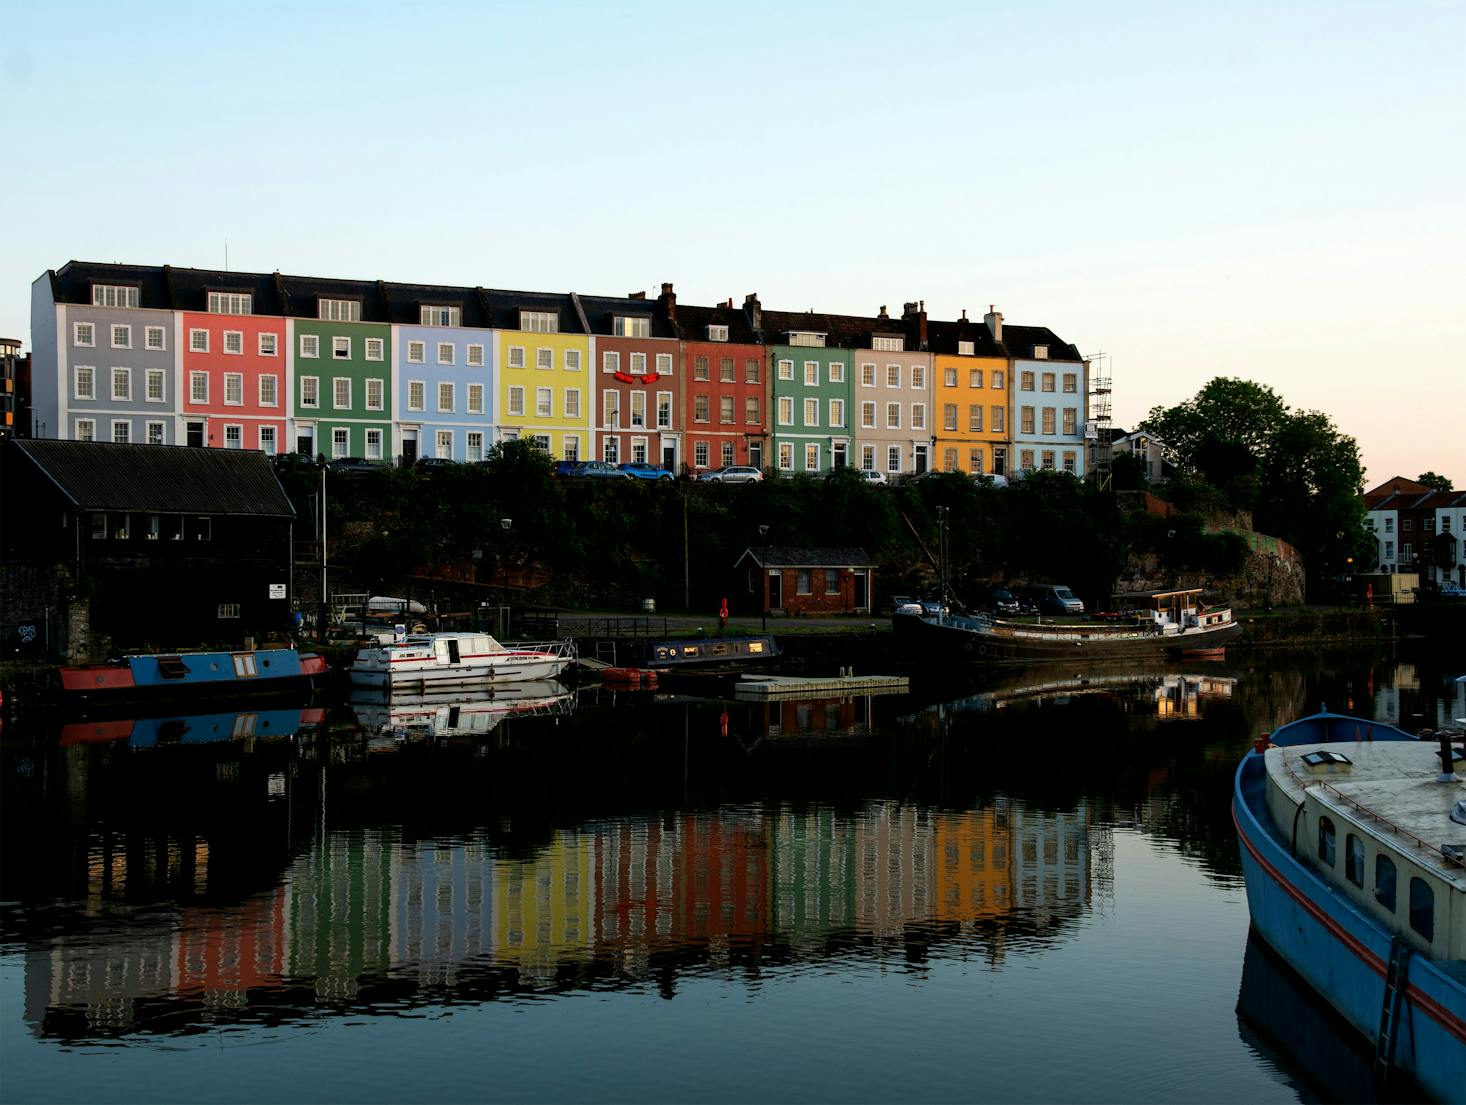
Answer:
x=766 y=688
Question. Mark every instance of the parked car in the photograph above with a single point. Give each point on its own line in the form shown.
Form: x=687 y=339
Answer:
x=1053 y=598
x=871 y=475
x=284 y=462
x=595 y=470
x=565 y=467
x=1000 y=600
x=357 y=465
x=430 y=463
x=733 y=473
x=641 y=470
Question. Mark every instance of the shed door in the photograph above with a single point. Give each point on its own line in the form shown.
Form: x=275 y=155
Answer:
x=861 y=588
x=776 y=590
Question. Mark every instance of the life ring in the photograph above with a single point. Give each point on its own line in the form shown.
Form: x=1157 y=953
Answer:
x=967 y=646
x=982 y=650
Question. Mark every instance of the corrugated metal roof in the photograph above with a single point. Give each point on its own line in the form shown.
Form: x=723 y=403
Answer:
x=161 y=479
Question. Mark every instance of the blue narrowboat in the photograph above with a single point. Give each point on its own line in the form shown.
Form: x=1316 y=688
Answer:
x=183 y=674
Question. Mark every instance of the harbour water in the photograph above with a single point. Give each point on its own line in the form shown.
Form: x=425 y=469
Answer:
x=1024 y=888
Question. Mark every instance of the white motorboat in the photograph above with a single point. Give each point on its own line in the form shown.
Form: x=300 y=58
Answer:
x=436 y=660
x=459 y=713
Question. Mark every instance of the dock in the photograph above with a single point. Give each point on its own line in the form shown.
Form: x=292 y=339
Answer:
x=767 y=688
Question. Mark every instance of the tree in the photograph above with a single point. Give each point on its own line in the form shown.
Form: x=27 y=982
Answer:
x=1235 y=412
x=1434 y=482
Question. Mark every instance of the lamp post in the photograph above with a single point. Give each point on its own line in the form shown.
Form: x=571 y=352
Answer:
x=505 y=524
x=321 y=614
x=763 y=583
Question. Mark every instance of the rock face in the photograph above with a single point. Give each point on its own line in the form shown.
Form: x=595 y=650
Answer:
x=1272 y=576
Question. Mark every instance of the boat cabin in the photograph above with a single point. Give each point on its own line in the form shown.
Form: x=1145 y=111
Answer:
x=1172 y=610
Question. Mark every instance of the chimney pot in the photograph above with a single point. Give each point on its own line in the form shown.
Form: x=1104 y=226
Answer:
x=636 y=295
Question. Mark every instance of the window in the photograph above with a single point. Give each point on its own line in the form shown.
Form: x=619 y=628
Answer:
x=975 y=461
x=231 y=303
x=999 y=416
x=727 y=453
x=949 y=417
x=893 y=376
x=974 y=418
x=786 y=370
x=432 y=315
x=974 y=378
x=374 y=444
x=811 y=412
x=700 y=454
x=572 y=447
x=725 y=409
x=893 y=416
x=804 y=337
x=572 y=360
x=611 y=450
x=1326 y=841
x=544 y=358
x=1389 y=525
x=1025 y=381
x=1070 y=417
x=543 y=407
x=837 y=413
x=475 y=399
x=443 y=444
x=949 y=377
x=1048 y=420
x=1406 y=525
x=539 y=322
x=114 y=295
x=376 y=394
x=445 y=398
x=310 y=391
x=611 y=409
x=717 y=333
x=664 y=409
x=727 y=371
x=416 y=395
x=375 y=349
x=997 y=380
x=516 y=400
x=700 y=369
x=868 y=457
x=832 y=581
x=867 y=415
x=153 y=434
x=85 y=381
x=341 y=392
x=267 y=440
x=86 y=429
x=1384 y=882
x=1354 y=859
x=811 y=457
x=700 y=408
x=751 y=410
x=887 y=345
x=611 y=361
x=154 y=386
x=417 y=352
x=837 y=372
x=233 y=389
x=198 y=387
x=868 y=375
x=1071 y=383
x=121 y=384
x=664 y=364
x=918 y=416
x=121 y=337
x=1047 y=381
x=121 y=432
x=1422 y=908
x=1025 y=420
x=341 y=348
x=918 y=376
x=1046 y=460
x=893 y=458
x=340 y=442
x=628 y=327
x=269 y=344
x=638 y=450
x=786 y=410
x=966 y=348
x=228 y=610
x=572 y=402
x=949 y=460
x=234 y=342
x=475 y=356
x=310 y=345
x=338 y=310
x=1070 y=462
x=445 y=352
x=233 y=437
x=83 y=334
x=475 y=449
x=198 y=341
x=1389 y=550
x=1040 y=352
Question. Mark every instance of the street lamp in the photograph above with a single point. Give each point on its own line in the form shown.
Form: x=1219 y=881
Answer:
x=321 y=614
x=505 y=524
x=763 y=621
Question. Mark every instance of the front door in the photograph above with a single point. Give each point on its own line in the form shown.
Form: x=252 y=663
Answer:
x=669 y=457
x=776 y=590
x=920 y=459
x=195 y=431
x=861 y=584
x=409 y=448
x=756 y=454
x=837 y=454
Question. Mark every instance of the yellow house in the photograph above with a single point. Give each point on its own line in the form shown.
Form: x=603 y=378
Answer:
x=970 y=394
x=543 y=366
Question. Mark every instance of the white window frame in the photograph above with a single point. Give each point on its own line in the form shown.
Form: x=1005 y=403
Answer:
x=417 y=395
x=90 y=391
x=439 y=314
x=310 y=384
x=310 y=346
x=446 y=390
x=473 y=445
x=572 y=360
x=372 y=447
x=474 y=398
x=234 y=338
x=124 y=376
x=268 y=344
x=84 y=429
x=115 y=295
x=811 y=412
x=231 y=303
x=445 y=352
x=234 y=382
x=124 y=425
x=376 y=393
x=155 y=338
x=717 y=333
x=160 y=377
x=340 y=347
x=340 y=442
x=572 y=402
x=336 y=390
x=155 y=429
x=234 y=430
x=269 y=390
x=338 y=310
x=417 y=352
x=786 y=410
x=631 y=326
x=84 y=335
x=374 y=349
x=786 y=370
x=475 y=356
x=443 y=444
x=515 y=406
x=516 y=356
x=544 y=357
x=198 y=340
x=837 y=414
x=811 y=456
x=811 y=374
x=664 y=364
x=539 y=322
x=611 y=361
x=197 y=395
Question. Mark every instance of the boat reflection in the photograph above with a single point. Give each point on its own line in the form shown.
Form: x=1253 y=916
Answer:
x=456 y=713
x=174 y=729
x=1170 y=695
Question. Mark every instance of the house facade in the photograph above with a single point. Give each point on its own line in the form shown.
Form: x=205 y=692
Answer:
x=443 y=371
x=234 y=393
x=637 y=350
x=810 y=392
x=969 y=399
x=342 y=357
x=892 y=391
x=1048 y=394
x=545 y=379
x=724 y=388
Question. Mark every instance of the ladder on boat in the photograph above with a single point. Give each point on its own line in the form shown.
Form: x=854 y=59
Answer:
x=1397 y=982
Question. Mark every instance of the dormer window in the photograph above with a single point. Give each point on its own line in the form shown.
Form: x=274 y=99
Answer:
x=966 y=348
x=114 y=295
x=231 y=303
x=629 y=327
x=806 y=337
x=1040 y=352
x=539 y=322
x=431 y=314
x=717 y=333
x=338 y=310
x=887 y=344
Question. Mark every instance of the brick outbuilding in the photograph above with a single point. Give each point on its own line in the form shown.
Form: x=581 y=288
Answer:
x=808 y=582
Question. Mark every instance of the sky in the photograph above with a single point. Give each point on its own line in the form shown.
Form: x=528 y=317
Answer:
x=1274 y=191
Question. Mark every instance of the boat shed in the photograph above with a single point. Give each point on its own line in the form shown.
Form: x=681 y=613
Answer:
x=807 y=582
x=105 y=547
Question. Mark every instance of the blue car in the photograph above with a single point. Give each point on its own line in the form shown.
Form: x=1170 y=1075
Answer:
x=641 y=470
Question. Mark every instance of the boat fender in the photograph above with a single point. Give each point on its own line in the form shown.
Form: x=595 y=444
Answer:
x=1261 y=744
x=982 y=650
x=967 y=646
x=1296 y=815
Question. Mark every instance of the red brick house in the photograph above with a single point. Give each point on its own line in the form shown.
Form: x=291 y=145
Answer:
x=808 y=582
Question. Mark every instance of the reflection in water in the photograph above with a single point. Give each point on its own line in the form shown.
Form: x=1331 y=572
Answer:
x=456 y=713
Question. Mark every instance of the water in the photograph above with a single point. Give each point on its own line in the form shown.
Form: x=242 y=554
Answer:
x=1022 y=891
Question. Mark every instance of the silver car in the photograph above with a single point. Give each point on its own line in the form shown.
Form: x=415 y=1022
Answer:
x=733 y=473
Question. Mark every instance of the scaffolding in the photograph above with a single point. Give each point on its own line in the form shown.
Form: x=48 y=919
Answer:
x=1097 y=428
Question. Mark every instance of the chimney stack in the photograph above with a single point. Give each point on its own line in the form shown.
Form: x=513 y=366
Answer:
x=916 y=312
x=994 y=319
x=668 y=300
x=754 y=310
x=636 y=295
x=883 y=316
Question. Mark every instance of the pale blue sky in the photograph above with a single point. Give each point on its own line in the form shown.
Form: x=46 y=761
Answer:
x=1272 y=191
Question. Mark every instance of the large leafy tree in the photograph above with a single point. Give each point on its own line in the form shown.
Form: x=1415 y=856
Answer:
x=1435 y=482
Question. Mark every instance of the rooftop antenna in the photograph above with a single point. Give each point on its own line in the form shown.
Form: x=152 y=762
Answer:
x=226 y=254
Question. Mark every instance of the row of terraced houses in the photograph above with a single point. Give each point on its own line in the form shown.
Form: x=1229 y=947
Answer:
x=393 y=371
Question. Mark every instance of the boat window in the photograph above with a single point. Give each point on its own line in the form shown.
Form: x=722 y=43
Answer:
x=1384 y=882
x=1326 y=841
x=1354 y=860
x=1422 y=907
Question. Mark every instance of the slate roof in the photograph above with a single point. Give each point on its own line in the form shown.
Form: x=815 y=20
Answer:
x=781 y=557
x=841 y=331
x=161 y=479
x=504 y=308
x=601 y=312
x=693 y=323
x=1020 y=340
x=942 y=337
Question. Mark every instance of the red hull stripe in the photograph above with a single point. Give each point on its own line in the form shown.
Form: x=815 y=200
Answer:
x=1448 y=1020
x=479 y=656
